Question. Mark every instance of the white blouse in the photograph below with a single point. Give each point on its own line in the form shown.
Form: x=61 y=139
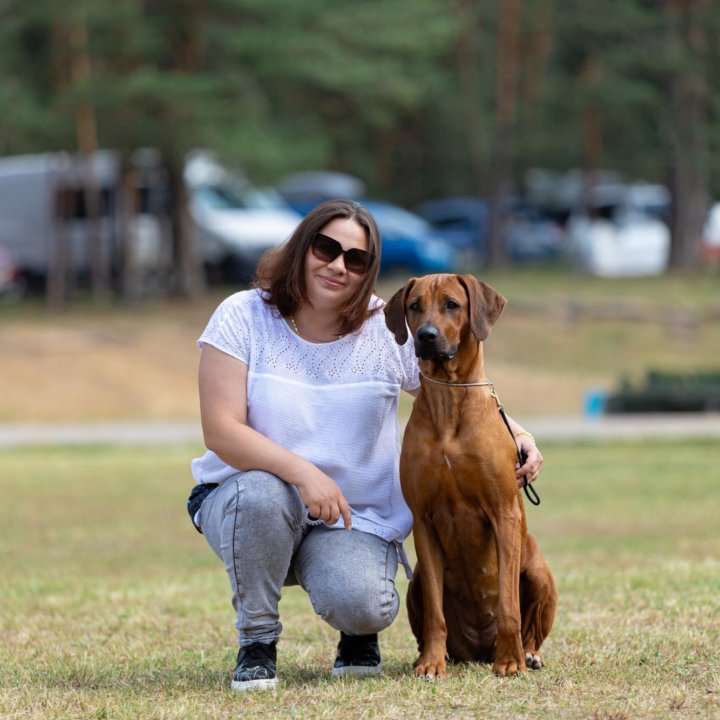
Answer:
x=333 y=403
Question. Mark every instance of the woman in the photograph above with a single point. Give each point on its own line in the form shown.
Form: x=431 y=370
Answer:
x=299 y=386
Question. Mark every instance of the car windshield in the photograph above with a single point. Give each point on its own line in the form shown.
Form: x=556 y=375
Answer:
x=234 y=196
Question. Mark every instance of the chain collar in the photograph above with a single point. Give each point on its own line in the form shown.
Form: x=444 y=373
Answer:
x=484 y=383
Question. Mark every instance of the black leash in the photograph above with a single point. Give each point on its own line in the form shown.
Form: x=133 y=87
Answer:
x=522 y=457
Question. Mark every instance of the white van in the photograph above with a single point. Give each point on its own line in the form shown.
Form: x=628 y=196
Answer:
x=30 y=188
x=233 y=221
x=625 y=232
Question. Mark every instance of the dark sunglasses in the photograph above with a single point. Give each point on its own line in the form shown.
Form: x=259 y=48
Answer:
x=327 y=249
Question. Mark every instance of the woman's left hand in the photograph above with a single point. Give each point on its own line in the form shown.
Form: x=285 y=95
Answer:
x=531 y=468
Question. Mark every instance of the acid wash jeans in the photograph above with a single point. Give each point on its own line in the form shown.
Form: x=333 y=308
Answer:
x=257 y=525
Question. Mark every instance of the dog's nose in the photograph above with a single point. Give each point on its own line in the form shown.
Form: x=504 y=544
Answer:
x=427 y=334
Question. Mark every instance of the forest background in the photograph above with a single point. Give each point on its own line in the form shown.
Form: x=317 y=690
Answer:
x=419 y=98
x=111 y=605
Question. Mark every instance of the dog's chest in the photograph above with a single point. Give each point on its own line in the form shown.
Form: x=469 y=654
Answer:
x=459 y=445
x=454 y=465
x=469 y=552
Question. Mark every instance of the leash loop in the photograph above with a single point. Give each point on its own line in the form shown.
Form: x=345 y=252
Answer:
x=530 y=492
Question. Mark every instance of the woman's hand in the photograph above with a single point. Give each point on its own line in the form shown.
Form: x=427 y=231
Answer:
x=322 y=496
x=531 y=468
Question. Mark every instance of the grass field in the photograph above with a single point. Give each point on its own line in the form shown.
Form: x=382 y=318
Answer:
x=112 y=606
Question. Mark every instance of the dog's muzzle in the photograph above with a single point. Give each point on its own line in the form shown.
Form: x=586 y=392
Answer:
x=431 y=345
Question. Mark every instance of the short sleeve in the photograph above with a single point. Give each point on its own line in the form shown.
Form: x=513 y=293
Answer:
x=411 y=372
x=229 y=327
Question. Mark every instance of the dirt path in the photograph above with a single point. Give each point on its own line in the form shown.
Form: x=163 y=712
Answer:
x=545 y=428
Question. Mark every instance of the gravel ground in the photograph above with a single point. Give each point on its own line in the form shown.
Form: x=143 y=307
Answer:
x=544 y=428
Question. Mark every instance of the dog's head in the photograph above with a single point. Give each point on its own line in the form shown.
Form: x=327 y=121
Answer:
x=441 y=310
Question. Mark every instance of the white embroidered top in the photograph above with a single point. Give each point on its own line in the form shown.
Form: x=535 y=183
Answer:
x=333 y=403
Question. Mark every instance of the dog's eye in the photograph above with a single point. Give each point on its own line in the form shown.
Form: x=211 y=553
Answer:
x=452 y=305
x=415 y=306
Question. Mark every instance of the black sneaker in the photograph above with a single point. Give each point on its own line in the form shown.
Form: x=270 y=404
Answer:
x=357 y=655
x=255 y=667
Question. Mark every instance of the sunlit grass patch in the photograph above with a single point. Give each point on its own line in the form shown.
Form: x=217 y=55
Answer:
x=111 y=605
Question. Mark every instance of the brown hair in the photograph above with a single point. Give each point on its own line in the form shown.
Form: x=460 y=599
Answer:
x=281 y=272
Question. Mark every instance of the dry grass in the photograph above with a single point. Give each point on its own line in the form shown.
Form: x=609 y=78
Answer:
x=100 y=363
x=141 y=362
x=111 y=606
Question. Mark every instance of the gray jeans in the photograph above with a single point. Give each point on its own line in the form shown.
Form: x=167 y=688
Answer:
x=257 y=525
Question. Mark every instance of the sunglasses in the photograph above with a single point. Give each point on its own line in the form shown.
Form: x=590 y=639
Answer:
x=327 y=249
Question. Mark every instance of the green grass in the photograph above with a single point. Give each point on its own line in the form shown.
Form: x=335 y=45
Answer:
x=112 y=606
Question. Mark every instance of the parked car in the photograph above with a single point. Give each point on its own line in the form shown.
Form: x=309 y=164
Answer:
x=12 y=284
x=528 y=235
x=464 y=221
x=233 y=221
x=532 y=236
x=307 y=189
x=45 y=224
x=409 y=243
x=711 y=235
x=36 y=191
x=623 y=232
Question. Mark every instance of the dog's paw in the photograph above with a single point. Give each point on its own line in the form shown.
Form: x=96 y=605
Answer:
x=508 y=668
x=429 y=669
x=534 y=662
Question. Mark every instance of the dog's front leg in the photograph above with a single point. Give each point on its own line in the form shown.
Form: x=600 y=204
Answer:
x=509 y=654
x=431 y=664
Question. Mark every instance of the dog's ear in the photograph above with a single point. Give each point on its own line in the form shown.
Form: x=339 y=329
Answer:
x=486 y=304
x=395 y=313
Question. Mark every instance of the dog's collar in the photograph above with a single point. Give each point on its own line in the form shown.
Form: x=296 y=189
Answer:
x=484 y=383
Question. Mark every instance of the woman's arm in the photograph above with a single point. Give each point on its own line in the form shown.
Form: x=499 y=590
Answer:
x=223 y=410
x=526 y=442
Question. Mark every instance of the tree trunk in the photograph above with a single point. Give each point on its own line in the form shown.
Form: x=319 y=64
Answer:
x=189 y=280
x=56 y=289
x=689 y=118
x=536 y=52
x=88 y=145
x=592 y=141
x=506 y=97
x=56 y=274
x=468 y=65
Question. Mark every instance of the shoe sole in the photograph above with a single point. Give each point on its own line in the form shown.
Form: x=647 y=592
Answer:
x=356 y=670
x=244 y=685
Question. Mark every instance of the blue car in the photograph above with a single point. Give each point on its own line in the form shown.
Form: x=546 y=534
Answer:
x=529 y=235
x=409 y=243
x=465 y=221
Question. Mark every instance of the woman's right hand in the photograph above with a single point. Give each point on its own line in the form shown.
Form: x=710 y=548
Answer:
x=323 y=497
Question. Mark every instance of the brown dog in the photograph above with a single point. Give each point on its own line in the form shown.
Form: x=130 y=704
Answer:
x=481 y=590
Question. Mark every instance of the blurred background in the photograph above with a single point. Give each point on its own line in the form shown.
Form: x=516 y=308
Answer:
x=150 y=152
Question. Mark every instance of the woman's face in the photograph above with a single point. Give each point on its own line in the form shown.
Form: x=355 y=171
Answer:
x=329 y=283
